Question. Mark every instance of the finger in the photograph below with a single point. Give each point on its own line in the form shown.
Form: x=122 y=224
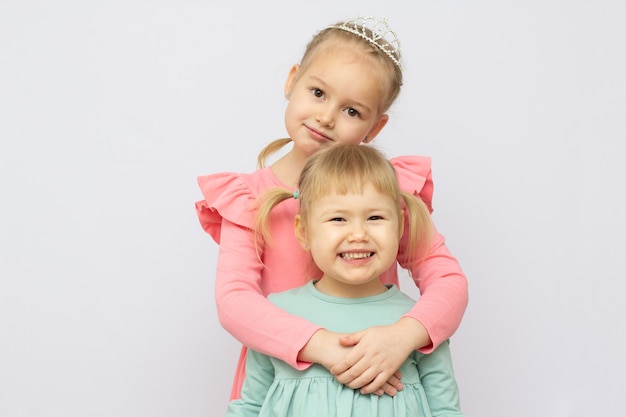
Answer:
x=388 y=389
x=351 y=339
x=351 y=375
x=376 y=384
x=349 y=367
x=395 y=381
x=367 y=378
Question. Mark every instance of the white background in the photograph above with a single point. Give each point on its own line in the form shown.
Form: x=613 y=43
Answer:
x=110 y=110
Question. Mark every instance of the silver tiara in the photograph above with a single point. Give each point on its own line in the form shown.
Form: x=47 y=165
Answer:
x=379 y=30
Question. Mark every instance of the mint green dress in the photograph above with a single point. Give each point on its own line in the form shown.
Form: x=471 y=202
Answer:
x=274 y=389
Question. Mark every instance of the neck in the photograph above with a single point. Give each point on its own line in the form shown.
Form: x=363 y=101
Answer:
x=335 y=288
x=287 y=169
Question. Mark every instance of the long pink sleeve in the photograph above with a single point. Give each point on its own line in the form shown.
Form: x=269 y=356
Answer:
x=242 y=307
x=443 y=289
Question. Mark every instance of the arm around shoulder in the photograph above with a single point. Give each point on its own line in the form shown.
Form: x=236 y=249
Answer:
x=444 y=292
x=438 y=275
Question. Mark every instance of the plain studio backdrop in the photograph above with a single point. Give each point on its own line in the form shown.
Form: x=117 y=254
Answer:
x=110 y=110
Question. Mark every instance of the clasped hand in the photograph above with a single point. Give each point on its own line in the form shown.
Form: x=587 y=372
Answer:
x=370 y=359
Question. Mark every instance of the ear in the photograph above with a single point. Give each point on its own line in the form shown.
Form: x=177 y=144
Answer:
x=382 y=121
x=291 y=80
x=300 y=232
x=401 y=225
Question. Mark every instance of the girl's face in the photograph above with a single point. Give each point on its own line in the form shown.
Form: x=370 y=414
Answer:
x=337 y=98
x=353 y=239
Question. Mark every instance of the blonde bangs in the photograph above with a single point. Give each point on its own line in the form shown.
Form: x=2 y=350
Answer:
x=348 y=170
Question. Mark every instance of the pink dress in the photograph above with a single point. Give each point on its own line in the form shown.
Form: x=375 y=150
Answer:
x=244 y=277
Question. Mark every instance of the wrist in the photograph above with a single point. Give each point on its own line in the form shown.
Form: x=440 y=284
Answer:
x=415 y=332
x=311 y=351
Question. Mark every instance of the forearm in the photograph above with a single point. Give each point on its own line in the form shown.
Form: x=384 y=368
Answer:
x=242 y=307
x=264 y=327
x=416 y=335
x=439 y=311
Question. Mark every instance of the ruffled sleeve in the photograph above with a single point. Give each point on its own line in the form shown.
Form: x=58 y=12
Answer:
x=226 y=196
x=415 y=176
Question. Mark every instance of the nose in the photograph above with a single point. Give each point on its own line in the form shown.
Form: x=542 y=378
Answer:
x=325 y=115
x=357 y=233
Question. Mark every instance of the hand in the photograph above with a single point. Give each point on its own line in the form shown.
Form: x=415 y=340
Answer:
x=325 y=348
x=377 y=354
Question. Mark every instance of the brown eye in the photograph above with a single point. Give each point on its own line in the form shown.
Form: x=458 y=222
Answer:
x=317 y=92
x=352 y=112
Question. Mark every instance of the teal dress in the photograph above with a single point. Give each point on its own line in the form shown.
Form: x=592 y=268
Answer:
x=274 y=389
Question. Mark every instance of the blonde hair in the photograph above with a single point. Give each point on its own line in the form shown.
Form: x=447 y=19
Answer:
x=391 y=76
x=348 y=168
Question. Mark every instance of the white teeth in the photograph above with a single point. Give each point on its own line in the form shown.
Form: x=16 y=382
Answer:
x=357 y=255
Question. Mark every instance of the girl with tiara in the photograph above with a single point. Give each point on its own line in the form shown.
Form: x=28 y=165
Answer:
x=348 y=77
x=351 y=221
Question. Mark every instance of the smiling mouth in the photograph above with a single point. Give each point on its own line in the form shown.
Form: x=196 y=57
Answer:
x=319 y=135
x=356 y=255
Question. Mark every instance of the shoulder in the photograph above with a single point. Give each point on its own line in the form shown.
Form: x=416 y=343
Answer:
x=415 y=176
x=398 y=296
x=287 y=298
x=231 y=196
x=397 y=303
x=228 y=183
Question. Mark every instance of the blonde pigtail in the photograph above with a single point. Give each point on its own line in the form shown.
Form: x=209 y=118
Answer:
x=420 y=227
x=266 y=204
x=271 y=149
